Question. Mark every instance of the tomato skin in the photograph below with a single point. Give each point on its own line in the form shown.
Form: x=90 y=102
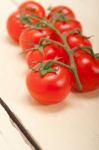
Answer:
x=50 y=88
x=31 y=5
x=63 y=9
x=33 y=36
x=75 y=40
x=50 y=51
x=88 y=71
x=66 y=26
x=14 y=26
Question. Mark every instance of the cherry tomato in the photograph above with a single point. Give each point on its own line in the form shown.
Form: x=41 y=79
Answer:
x=17 y=22
x=75 y=40
x=63 y=9
x=50 y=51
x=33 y=36
x=66 y=26
x=88 y=71
x=51 y=88
x=14 y=26
x=31 y=5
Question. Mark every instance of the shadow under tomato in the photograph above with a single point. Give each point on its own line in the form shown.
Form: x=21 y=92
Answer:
x=47 y=108
x=10 y=41
x=88 y=95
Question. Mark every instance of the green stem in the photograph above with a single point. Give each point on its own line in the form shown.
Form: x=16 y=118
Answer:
x=57 y=43
x=50 y=25
x=85 y=48
x=97 y=55
x=70 y=53
x=74 y=70
x=66 y=47
x=92 y=52
x=62 y=64
x=73 y=31
x=72 y=63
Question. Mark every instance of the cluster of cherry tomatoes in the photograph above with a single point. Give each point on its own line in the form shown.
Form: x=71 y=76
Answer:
x=60 y=57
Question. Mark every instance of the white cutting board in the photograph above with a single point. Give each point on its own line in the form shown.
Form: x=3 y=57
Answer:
x=70 y=125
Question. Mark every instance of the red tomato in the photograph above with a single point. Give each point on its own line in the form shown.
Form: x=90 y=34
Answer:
x=31 y=5
x=75 y=40
x=52 y=87
x=66 y=26
x=50 y=51
x=33 y=36
x=63 y=9
x=14 y=26
x=88 y=71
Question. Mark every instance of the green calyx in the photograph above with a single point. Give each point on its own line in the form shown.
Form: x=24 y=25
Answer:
x=44 y=67
x=27 y=19
x=40 y=47
x=47 y=67
x=59 y=16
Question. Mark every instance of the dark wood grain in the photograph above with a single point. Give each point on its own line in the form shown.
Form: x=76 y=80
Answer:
x=21 y=127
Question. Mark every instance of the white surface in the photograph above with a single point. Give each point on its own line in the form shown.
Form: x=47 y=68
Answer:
x=10 y=138
x=71 y=125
